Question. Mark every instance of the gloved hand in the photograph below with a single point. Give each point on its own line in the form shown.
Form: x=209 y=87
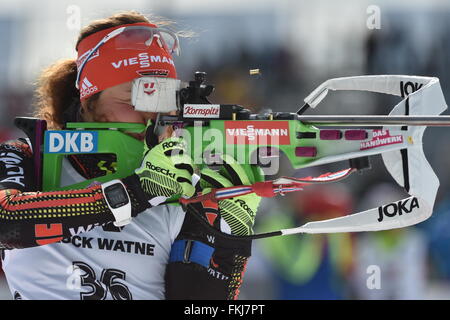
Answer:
x=166 y=168
x=238 y=212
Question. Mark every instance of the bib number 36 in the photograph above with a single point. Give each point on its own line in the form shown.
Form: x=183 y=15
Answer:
x=98 y=289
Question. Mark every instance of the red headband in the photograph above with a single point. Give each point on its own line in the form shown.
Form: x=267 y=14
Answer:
x=110 y=66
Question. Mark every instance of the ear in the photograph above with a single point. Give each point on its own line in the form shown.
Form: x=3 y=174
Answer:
x=87 y=108
x=83 y=110
x=83 y=106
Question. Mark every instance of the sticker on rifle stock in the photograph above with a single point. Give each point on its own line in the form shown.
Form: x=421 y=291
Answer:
x=71 y=141
x=201 y=111
x=381 y=138
x=257 y=132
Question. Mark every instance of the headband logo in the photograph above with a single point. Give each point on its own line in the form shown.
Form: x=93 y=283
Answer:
x=87 y=87
x=143 y=59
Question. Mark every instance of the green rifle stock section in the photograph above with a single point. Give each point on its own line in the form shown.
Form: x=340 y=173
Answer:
x=258 y=145
x=111 y=139
x=213 y=136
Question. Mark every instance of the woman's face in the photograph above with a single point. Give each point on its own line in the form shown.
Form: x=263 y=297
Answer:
x=114 y=105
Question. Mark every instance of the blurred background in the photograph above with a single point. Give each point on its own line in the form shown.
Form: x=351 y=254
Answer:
x=296 y=44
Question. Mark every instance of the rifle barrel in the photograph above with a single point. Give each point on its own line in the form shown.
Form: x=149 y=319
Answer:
x=376 y=120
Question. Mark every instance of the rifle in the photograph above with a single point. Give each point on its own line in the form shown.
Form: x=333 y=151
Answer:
x=307 y=140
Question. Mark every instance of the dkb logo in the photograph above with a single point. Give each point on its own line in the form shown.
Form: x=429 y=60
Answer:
x=71 y=141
